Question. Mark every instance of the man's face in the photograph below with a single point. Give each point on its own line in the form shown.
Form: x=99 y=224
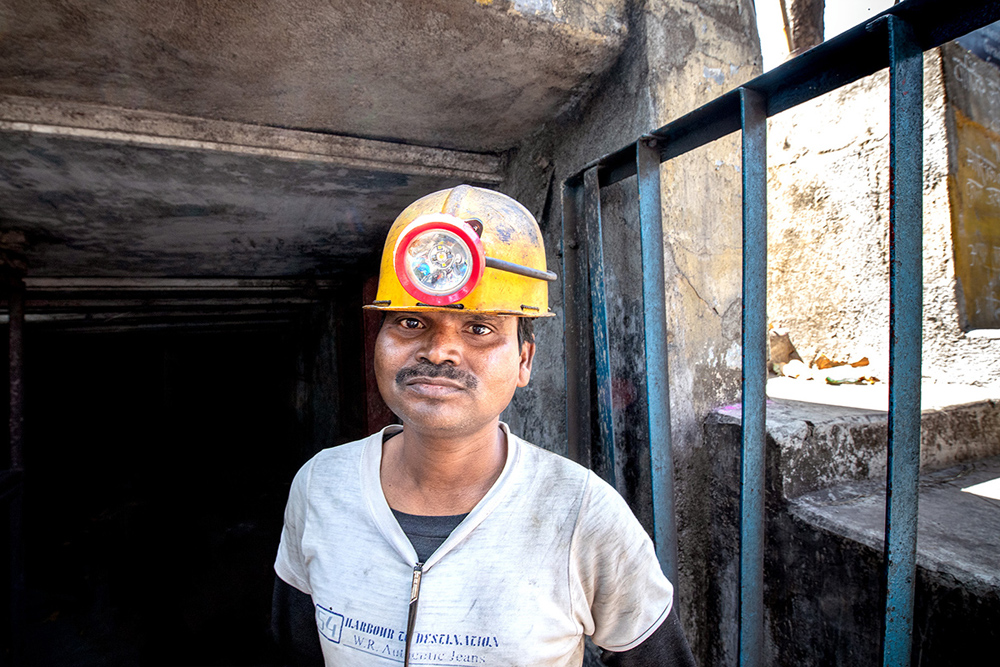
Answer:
x=450 y=373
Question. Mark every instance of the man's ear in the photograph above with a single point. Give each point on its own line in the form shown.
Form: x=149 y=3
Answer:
x=524 y=369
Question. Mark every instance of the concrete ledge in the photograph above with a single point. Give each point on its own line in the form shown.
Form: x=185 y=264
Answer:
x=821 y=445
x=477 y=76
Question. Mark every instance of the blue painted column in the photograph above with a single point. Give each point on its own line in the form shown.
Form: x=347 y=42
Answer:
x=599 y=312
x=655 y=338
x=906 y=100
x=753 y=118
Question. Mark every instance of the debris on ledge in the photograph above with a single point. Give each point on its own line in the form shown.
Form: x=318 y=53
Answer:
x=785 y=361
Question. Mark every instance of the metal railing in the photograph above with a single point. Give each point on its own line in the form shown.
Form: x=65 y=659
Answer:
x=895 y=39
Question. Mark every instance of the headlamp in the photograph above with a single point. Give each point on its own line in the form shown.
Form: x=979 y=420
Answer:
x=439 y=259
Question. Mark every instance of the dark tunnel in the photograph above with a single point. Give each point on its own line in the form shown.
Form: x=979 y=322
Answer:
x=160 y=460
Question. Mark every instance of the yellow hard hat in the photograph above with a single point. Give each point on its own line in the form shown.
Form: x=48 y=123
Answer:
x=464 y=248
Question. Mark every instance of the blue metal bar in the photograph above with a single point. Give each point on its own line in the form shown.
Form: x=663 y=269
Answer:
x=599 y=310
x=654 y=303
x=905 y=330
x=576 y=308
x=753 y=119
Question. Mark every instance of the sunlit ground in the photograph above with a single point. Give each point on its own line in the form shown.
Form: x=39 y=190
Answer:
x=990 y=489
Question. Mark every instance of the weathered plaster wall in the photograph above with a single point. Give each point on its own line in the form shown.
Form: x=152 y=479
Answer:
x=680 y=55
x=828 y=227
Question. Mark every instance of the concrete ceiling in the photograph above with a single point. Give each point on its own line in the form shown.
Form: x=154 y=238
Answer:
x=246 y=138
x=465 y=74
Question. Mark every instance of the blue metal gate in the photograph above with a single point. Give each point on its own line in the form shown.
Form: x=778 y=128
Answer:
x=895 y=39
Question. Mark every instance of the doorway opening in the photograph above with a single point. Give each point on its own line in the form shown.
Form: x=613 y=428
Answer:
x=160 y=461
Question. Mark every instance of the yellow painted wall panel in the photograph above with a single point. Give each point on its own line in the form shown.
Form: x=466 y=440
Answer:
x=975 y=197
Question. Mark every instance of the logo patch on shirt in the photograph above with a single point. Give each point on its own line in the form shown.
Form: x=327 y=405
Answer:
x=330 y=623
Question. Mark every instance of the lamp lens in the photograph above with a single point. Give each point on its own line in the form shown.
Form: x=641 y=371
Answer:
x=438 y=262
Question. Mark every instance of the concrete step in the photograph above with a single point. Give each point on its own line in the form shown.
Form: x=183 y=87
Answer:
x=958 y=531
x=827 y=574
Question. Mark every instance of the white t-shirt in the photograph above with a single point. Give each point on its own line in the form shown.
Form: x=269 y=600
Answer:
x=550 y=554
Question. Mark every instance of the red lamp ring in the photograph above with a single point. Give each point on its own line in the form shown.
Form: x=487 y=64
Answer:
x=466 y=271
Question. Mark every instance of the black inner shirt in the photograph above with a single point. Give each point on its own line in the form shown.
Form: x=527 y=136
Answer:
x=426 y=533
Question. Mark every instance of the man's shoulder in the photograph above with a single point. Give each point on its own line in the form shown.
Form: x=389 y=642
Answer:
x=334 y=472
x=602 y=498
x=338 y=453
x=339 y=459
x=546 y=457
x=551 y=475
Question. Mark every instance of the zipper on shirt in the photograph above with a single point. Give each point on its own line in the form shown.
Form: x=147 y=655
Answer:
x=418 y=571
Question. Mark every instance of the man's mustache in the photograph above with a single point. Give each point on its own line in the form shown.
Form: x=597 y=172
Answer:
x=429 y=370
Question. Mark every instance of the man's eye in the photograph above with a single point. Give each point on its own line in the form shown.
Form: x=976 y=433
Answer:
x=409 y=323
x=480 y=329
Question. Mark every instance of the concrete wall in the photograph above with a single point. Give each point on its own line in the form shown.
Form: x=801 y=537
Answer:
x=828 y=226
x=680 y=56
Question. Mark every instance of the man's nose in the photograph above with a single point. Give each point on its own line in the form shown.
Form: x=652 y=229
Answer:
x=442 y=345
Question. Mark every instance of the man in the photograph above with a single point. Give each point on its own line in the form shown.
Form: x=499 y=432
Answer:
x=448 y=540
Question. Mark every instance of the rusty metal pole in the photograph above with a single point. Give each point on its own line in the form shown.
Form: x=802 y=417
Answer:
x=15 y=308
x=16 y=357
